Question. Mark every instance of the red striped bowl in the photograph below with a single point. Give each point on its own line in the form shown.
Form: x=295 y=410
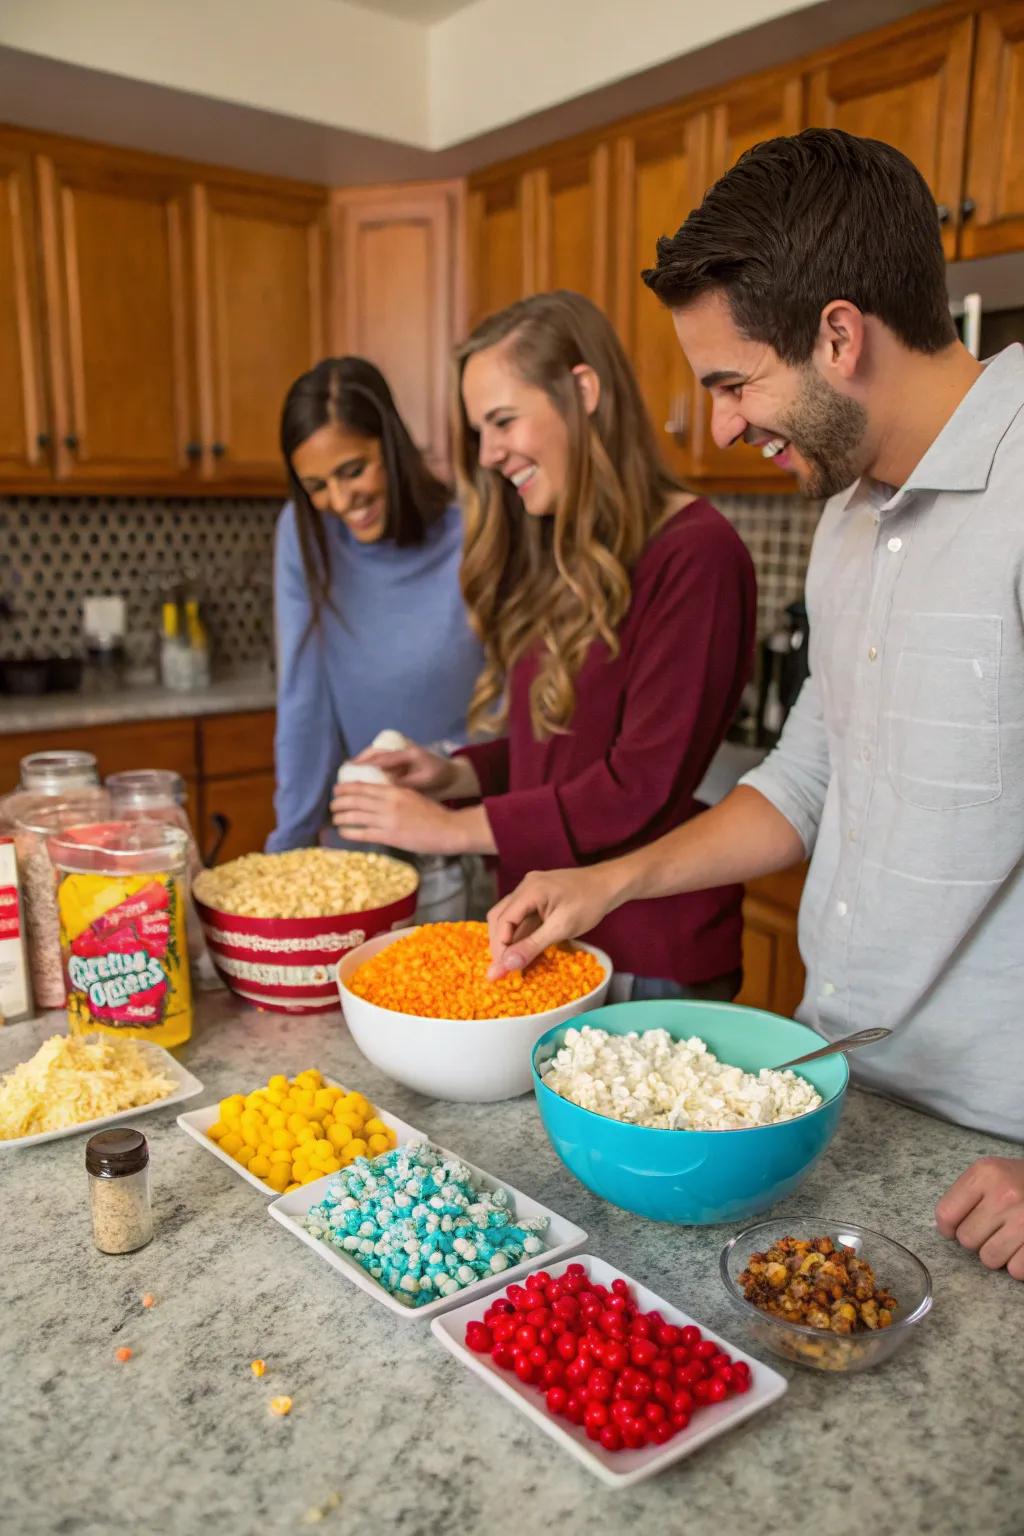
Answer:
x=287 y=964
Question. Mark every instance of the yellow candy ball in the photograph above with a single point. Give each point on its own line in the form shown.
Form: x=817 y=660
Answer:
x=377 y=1144
x=339 y=1135
x=217 y=1131
x=282 y=1138
x=279 y=1081
x=375 y=1126
x=231 y=1143
x=306 y=1135
x=244 y=1155
x=260 y=1165
x=356 y=1148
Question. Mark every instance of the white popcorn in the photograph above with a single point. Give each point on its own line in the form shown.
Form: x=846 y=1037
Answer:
x=652 y=1080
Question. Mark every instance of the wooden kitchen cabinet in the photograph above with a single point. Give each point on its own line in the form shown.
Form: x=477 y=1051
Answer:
x=115 y=240
x=260 y=275
x=571 y=200
x=993 y=211
x=25 y=438
x=661 y=172
x=246 y=801
x=120 y=748
x=501 y=241
x=773 y=973
x=397 y=296
x=909 y=86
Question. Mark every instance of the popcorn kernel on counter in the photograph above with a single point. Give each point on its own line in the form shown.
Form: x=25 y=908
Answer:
x=416 y=1222
x=440 y=972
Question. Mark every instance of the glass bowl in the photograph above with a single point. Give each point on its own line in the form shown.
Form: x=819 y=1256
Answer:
x=896 y=1270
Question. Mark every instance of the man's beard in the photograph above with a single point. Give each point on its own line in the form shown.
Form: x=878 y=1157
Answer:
x=826 y=428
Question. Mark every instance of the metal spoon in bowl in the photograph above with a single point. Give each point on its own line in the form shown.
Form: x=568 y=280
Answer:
x=850 y=1043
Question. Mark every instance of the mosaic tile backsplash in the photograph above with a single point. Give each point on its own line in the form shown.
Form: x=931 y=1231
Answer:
x=57 y=552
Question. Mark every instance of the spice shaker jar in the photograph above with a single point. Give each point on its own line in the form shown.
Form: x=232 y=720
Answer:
x=54 y=773
x=117 y=1162
x=121 y=897
x=36 y=817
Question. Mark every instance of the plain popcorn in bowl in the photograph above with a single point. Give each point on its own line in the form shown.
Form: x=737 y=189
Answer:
x=652 y=1080
x=306 y=882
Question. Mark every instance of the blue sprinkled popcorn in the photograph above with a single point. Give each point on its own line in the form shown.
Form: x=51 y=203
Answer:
x=414 y=1220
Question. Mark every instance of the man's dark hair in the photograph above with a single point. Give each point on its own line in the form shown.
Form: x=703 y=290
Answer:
x=801 y=221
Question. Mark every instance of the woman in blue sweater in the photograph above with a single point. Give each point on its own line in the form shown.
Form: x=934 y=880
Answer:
x=371 y=628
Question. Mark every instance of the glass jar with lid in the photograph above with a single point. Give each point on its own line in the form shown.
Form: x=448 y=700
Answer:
x=159 y=795
x=54 y=773
x=35 y=817
x=121 y=897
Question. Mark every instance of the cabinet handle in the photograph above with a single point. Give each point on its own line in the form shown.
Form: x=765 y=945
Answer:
x=222 y=826
x=71 y=443
x=219 y=450
x=678 y=424
x=194 y=450
x=968 y=209
x=42 y=440
x=942 y=209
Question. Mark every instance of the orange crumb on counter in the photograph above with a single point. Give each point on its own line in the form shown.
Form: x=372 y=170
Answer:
x=123 y=1354
x=281 y=1406
x=440 y=972
x=149 y=1300
x=258 y=1367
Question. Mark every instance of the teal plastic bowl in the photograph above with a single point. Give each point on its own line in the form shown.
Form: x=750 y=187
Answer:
x=695 y=1178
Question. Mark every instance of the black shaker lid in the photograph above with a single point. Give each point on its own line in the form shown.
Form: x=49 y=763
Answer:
x=115 y=1153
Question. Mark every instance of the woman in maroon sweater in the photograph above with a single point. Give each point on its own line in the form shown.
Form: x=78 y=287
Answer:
x=617 y=616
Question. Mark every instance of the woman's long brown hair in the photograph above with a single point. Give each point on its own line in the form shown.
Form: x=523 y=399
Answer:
x=353 y=394
x=556 y=583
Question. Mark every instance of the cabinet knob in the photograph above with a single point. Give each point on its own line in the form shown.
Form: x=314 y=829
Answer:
x=71 y=442
x=678 y=425
x=967 y=209
x=194 y=450
x=942 y=209
x=42 y=440
x=219 y=450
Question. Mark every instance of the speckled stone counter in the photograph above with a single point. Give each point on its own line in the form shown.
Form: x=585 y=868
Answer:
x=179 y=1441
x=75 y=711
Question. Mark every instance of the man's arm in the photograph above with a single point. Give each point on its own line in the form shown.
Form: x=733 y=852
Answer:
x=767 y=823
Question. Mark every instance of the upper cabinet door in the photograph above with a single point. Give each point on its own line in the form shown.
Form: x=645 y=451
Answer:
x=261 y=283
x=572 y=228
x=397 y=297
x=661 y=172
x=993 y=212
x=115 y=243
x=748 y=114
x=501 y=224
x=24 y=429
x=909 y=88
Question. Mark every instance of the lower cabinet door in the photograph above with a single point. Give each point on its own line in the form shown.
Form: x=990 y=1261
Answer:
x=238 y=815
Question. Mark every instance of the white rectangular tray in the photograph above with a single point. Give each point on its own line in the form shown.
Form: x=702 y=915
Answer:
x=187 y=1087
x=618 y=1469
x=562 y=1239
x=197 y=1122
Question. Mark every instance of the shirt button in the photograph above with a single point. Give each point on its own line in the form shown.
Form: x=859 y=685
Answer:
x=842 y=908
x=895 y=545
x=851 y=836
x=828 y=989
x=866 y=754
x=872 y=654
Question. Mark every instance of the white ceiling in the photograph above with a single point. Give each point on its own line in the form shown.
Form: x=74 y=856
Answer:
x=426 y=12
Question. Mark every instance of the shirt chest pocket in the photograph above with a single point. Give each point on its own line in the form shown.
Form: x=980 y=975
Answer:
x=943 y=721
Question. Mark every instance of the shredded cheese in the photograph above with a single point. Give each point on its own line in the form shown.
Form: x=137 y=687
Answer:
x=70 y=1080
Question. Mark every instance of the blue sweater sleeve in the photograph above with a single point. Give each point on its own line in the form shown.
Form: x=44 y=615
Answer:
x=307 y=743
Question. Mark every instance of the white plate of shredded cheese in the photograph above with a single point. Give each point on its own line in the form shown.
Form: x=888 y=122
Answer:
x=55 y=1078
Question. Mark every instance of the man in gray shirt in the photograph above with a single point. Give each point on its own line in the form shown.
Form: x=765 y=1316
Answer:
x=808 y=293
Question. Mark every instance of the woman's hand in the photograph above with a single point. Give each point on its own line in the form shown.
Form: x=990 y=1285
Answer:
x=413 y=767
x=403 y=818
x=548 y=908
x=984 y=1211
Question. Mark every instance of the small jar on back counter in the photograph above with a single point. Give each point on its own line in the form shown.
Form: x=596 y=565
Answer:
x=117 y=1161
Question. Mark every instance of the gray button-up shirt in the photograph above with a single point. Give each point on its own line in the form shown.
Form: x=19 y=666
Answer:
x=902 y=767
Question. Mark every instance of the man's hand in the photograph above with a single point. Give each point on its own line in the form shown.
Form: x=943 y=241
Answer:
x=547 y=908
x=984 y=1211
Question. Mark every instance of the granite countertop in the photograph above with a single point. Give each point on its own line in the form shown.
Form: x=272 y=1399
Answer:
x=179 y=1440
x=71 y=711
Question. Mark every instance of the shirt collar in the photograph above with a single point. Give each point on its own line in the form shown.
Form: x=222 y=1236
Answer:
x=960 y=458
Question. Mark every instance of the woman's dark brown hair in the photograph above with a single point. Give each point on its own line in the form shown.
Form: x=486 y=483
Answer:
x=351 y=393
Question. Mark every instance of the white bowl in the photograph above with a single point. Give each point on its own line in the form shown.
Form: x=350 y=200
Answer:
x=469 y=1061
